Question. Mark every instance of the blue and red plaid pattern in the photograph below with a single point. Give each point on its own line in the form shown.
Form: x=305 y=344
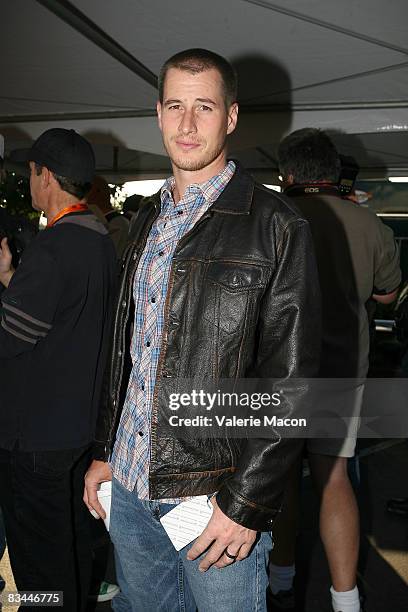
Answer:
x=131 y=454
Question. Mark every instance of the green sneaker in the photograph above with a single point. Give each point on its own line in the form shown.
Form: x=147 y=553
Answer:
x=107 y=591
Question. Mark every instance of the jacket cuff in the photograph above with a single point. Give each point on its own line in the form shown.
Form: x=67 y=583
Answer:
x=100 y=451
x=245 y=512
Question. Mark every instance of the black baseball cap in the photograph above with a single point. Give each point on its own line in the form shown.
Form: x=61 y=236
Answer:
x=66 y=153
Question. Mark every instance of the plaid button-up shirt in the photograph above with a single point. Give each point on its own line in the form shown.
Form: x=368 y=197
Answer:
x=131 y=454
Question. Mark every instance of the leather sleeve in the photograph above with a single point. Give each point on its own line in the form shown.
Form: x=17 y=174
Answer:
x=289 y=348
x=101 y=447
x=119 y=364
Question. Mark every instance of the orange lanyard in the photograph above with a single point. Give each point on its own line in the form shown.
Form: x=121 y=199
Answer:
x=66 y=211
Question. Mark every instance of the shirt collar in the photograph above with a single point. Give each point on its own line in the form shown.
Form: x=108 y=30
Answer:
x=210 y=189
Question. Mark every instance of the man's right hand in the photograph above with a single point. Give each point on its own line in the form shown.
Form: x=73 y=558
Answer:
x=98 y=472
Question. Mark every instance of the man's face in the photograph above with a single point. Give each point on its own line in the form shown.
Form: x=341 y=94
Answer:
x=193 y=118
x=35 y=187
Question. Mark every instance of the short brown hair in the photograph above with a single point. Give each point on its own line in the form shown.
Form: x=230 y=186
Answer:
x=198 y=60
x=309 y=156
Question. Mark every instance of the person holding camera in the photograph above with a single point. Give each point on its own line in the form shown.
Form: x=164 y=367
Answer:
x=54 y=320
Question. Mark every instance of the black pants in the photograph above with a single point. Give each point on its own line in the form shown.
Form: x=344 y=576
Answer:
x=47 y=523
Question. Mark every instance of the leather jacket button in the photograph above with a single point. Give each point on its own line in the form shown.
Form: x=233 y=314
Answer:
x=124 y=304
x=134 y=257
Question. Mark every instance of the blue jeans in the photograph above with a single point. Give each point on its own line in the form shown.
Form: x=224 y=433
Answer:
x=153 y=576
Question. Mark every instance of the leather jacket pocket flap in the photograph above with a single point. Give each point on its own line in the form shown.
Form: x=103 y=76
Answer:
x=235 y=276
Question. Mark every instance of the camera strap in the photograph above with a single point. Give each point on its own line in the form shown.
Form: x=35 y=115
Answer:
x=312 y=189
x=66 y=211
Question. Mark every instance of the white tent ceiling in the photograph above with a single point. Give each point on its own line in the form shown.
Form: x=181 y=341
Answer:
x=92 y=65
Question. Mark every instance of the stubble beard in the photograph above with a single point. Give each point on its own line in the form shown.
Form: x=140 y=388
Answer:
x=194 y=165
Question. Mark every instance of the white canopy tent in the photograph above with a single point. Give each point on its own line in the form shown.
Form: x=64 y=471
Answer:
x=92 y=65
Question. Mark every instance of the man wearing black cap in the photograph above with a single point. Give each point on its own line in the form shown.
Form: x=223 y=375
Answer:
x=54 y=317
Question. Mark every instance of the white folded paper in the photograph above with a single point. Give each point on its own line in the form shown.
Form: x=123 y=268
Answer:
x=187 y=521
x=105 y=499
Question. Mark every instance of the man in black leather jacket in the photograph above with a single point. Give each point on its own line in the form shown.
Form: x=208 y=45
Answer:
x=238 y=298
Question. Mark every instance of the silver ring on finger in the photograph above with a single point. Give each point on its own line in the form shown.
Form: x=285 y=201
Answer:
x=227 y=554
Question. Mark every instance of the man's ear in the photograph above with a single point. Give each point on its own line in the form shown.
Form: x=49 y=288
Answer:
x=159 y=111
x=232 y=117
x=46 y=176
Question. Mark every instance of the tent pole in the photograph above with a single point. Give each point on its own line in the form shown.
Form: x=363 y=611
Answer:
x=80 y=22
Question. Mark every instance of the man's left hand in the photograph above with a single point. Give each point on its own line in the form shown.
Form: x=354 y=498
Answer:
x=221 y=534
